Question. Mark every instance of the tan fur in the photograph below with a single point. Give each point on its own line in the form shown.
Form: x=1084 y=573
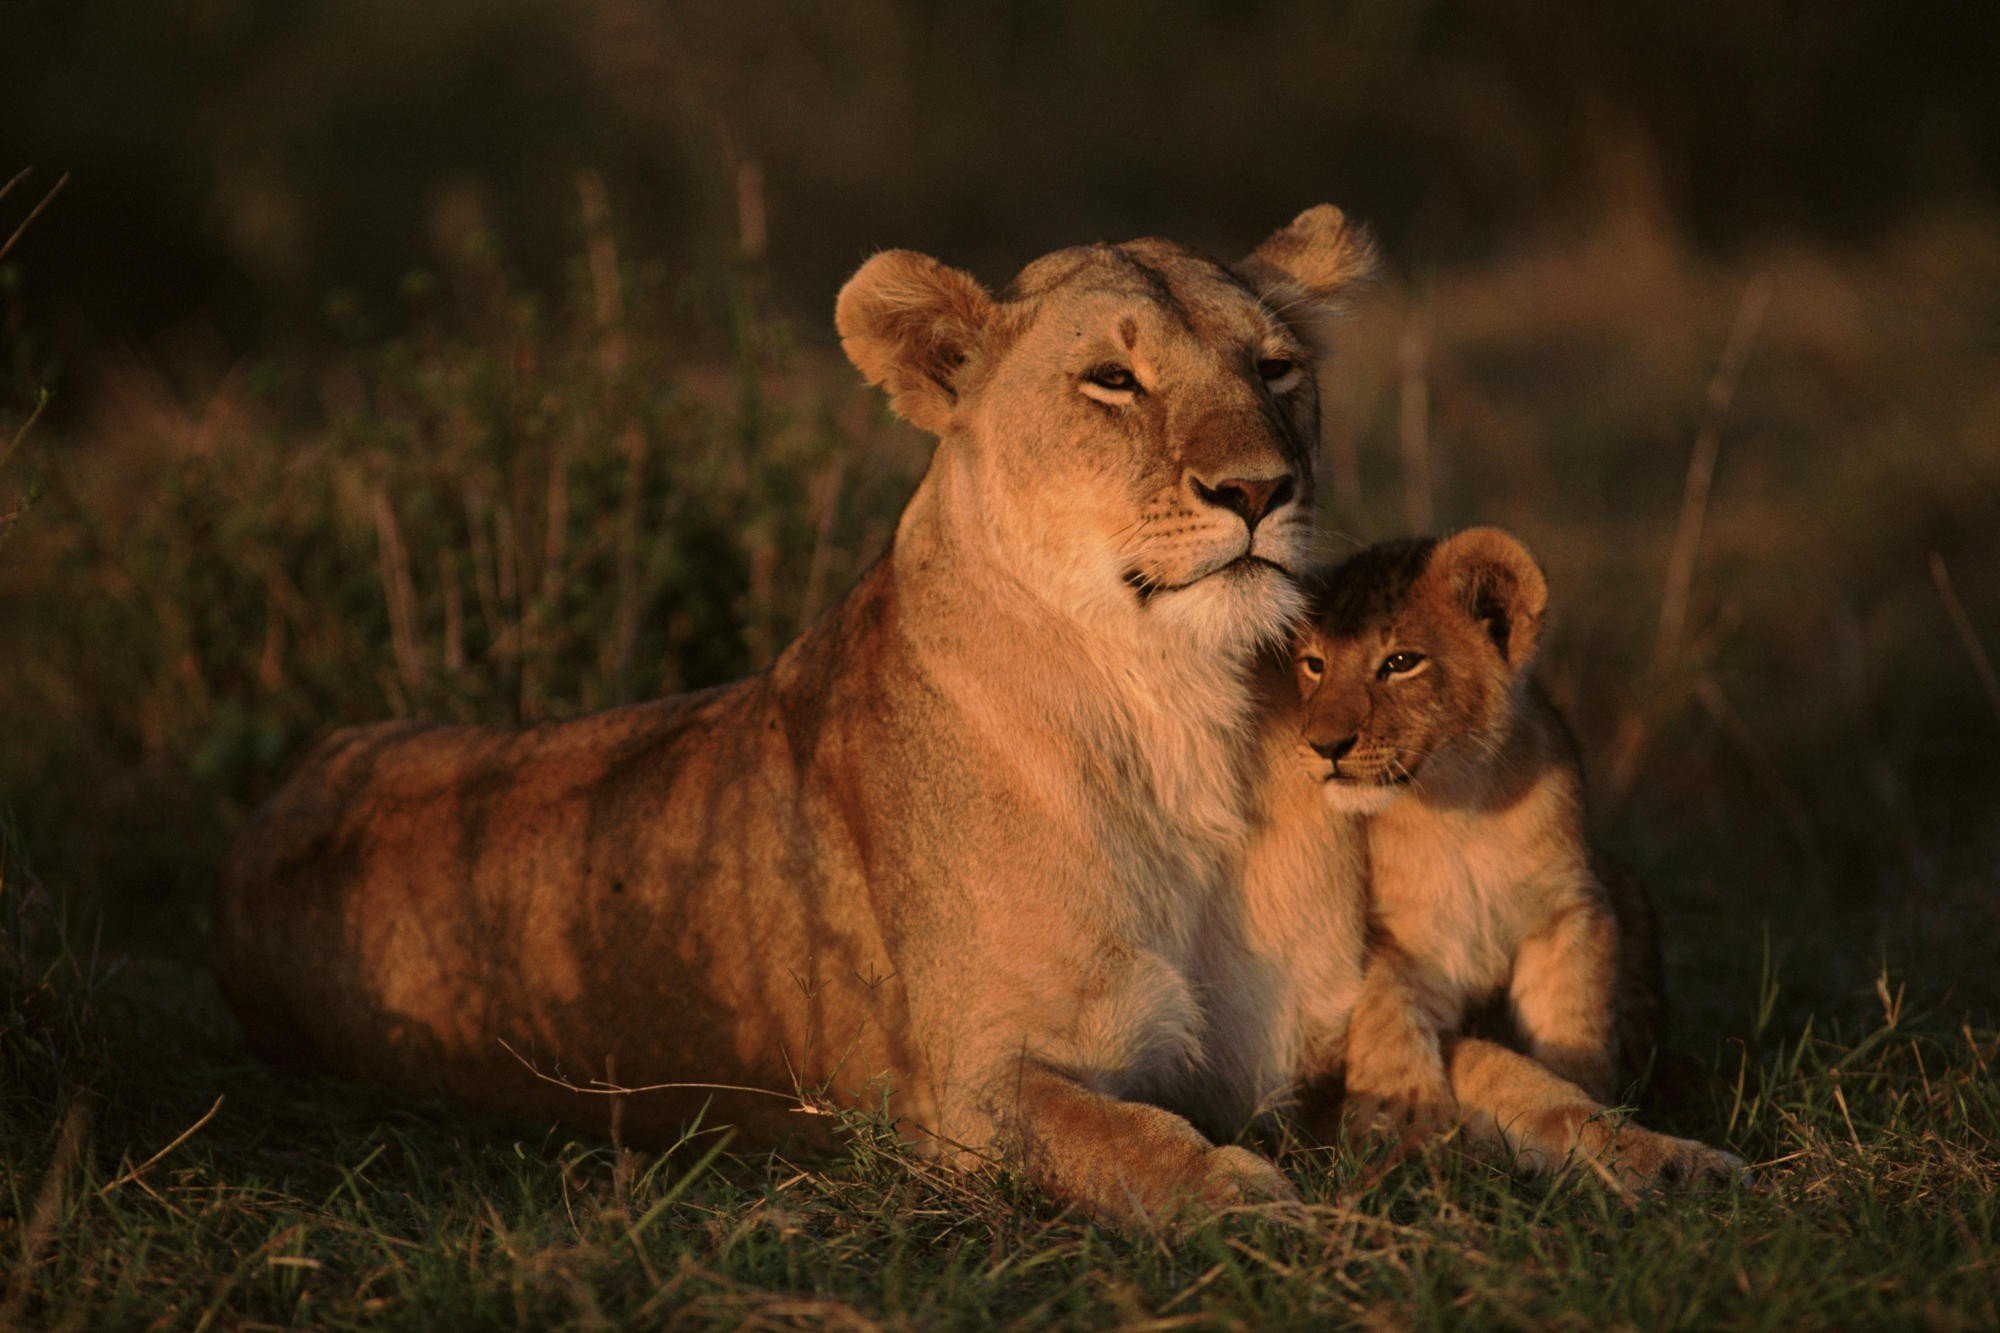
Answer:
x=1306 y=937
x=1014 y=842
x=1414 y=677
x=973 y=847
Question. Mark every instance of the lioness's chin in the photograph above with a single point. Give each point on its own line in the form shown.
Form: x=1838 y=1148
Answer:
x=1237 y=607
x=1352 y=797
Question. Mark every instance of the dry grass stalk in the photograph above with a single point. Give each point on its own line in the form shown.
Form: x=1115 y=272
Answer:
x=826 y=505
x=625 y=614
x=606 y=289
x=555 y=539
x=510 y=635
x=41 y=402
x=485 y=570
x=1750 y=311
x=454 y=612
x=1890 y=787
x=47 y=1213
x=140 y=1170
x=506 y=564
x=760 y=623
x=399 y=589
x=624 y=1161
x=618 y=1092
x=33 y=213
x=1974 y=649
x=1635 y=729
x=608 y=302
x=271 y=661
x=752 y=239
x=1708 y=692
x=1414 y=425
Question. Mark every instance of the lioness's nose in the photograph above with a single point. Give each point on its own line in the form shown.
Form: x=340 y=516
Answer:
x=1250 y=497
x=1336 y=750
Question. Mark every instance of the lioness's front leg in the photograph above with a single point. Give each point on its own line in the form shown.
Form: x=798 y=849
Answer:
x=1506 y=1098
x=1125 y=1161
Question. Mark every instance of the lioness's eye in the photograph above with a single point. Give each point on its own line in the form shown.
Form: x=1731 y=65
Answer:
x=1274 y=368
x=1117 y=378
x=1397 y=664
x=1313 y=666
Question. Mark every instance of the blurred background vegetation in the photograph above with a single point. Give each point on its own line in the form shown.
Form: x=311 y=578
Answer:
x=474 y=360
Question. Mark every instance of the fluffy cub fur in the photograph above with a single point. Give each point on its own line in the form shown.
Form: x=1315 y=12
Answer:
x=1413 y=675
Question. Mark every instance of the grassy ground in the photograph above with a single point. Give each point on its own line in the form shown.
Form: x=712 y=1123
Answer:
x=511 y=510
x=299 y=1201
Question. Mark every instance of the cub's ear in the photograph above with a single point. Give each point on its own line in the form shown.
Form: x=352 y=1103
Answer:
x=909 y=324
x=1307 y=271
x=1500 y=586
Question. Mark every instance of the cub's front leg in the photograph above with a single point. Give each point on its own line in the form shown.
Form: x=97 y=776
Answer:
x=1507 y=1099
x=1564 y=997
x=1395 y=1070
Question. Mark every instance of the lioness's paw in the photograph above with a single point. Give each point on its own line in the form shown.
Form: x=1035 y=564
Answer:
x=1399 y=1115
x=1233 y=1176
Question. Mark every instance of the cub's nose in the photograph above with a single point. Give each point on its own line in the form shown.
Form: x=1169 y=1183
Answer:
x=1336 y=750
x=1251 y=498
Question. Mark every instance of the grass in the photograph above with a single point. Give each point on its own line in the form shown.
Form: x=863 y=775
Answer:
x=515 y=508
x=305 y=1201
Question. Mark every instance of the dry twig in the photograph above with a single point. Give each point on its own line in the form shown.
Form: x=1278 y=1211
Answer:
x=34 y=212
x=598 y=1087
x=151 y=1162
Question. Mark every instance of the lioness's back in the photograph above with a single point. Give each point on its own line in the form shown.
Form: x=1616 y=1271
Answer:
x=448 y=790
x=414 y=892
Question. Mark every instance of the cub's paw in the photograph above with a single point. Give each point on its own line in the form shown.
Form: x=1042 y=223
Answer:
x=1233 y=1176
x=1642 y=1159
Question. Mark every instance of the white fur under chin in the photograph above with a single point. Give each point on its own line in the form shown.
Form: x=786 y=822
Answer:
x=1231 y=612
x=1356 y=798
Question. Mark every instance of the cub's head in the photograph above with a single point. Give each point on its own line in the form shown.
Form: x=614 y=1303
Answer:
x=1127 y=431
x=1410 y=664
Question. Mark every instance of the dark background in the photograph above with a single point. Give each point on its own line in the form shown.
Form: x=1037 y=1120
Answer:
x=233 y=162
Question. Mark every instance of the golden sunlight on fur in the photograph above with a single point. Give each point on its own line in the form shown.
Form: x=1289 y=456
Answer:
x=971 y=848
x=998 y=844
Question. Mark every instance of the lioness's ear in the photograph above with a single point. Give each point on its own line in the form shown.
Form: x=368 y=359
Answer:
x=1308 y=270
x=909 y=324
x=1500 y=586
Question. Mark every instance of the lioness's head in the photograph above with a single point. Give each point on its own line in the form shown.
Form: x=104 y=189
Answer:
x=1412 y=658
x=1127 y=430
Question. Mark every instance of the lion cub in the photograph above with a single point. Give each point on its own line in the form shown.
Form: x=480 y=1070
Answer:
x=1413 y=673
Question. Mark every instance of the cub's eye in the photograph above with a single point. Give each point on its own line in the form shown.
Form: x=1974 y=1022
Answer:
x=1400 y=664
x=1114 y=377
x=1313 y=666
x=1274 y=368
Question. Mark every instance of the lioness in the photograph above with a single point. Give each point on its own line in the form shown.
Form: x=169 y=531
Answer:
x=1414 y=671
x=989 y=841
